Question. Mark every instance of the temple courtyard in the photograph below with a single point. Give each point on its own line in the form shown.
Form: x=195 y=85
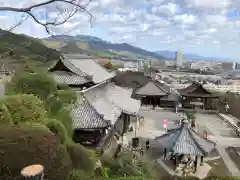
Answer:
x=220 y=161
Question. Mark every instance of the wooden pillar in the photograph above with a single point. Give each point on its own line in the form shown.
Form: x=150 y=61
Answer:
x=33 y=172
x=176 y=160
x=196 y=163
x=201 y=163
x=165 y=153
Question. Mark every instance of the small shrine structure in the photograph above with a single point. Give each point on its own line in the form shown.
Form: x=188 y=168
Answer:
x=185 y=146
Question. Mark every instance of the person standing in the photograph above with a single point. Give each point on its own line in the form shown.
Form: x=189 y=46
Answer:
x=165 y=121
x=141 y=152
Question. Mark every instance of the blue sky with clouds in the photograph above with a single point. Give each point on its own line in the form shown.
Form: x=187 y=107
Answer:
x=204 y=27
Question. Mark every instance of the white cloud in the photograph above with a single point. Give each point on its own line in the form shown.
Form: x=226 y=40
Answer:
x=216 y=19
x=215 y=4
x=151 y=24
x=185 y=19
x=166 y=9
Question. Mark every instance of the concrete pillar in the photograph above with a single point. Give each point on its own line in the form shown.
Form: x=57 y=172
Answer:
x=33 y=172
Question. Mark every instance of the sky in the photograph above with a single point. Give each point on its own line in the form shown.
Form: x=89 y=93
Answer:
x=205 y=27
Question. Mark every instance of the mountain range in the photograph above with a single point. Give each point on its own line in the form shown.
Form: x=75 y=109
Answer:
x=94 y=46
x=188 y=56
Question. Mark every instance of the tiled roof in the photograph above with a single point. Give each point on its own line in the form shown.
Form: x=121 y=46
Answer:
x=185 y=140
x=64 y=77
x=112 y=100
x=84 y=116
x=91 y=68
x=70 y=66
x=122 y=98
x=151 y=89
x=195 y=90
x=98 y=100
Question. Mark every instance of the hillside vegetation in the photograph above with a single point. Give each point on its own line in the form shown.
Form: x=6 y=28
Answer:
x=97 y=47
x=15 y=49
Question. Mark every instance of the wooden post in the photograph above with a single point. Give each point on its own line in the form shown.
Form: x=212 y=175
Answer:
x=196 y=163
x=165 y=153
x=33 y=172
x=201 y=161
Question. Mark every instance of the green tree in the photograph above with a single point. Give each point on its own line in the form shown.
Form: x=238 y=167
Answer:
x=124 y=166
x=27 y=82
x=5 y=116
x=191 y=117
x=58 y=100
x=23 y=108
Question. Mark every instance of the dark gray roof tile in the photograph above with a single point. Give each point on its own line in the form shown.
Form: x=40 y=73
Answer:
x=84 y=116
x=64 y=77
x=90 y=67
x=185 y=140
x=151 y=89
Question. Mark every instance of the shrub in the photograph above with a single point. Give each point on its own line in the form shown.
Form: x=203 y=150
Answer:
x=221 y=178
x=180 y=178
x=81 y=158
x=124 y=165
x=5 y=116
x=64 y=117
x=58 y=129
x=38 y=83
x=81 y=175
x=24 y=146
x=24 y=108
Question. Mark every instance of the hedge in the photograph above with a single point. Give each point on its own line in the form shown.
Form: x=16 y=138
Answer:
x=23 y=146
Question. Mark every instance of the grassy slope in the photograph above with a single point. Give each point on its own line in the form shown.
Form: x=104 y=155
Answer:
x=84 y=46
x=54 y=44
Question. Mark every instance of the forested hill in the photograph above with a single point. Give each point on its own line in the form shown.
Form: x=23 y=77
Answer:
x=15 y=48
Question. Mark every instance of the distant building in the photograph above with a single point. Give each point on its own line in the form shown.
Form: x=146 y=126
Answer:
x=131 y=65
x=179 y=59
x=227 y=66
x=236 y=65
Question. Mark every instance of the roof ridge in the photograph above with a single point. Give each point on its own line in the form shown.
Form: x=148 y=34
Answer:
x=164 y=90
x=66 y=60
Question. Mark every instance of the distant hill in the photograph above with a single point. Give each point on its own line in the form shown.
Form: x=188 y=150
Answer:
x=188 y=56
x=98 y=47
x=15 y=49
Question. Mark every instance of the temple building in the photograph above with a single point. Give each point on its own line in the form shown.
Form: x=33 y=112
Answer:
x=89 y=126
x=114 y=105
x=78 y=73
x=185 y=146
x=103 y=109
x=157 y=94
x=196 y=96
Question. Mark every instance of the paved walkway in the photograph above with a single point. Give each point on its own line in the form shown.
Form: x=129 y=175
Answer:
x=221 y=149
x=225 y=141
x=220 y=132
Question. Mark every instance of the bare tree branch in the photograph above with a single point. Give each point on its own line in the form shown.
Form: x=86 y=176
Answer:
x=75 y=5
x=23 y=18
